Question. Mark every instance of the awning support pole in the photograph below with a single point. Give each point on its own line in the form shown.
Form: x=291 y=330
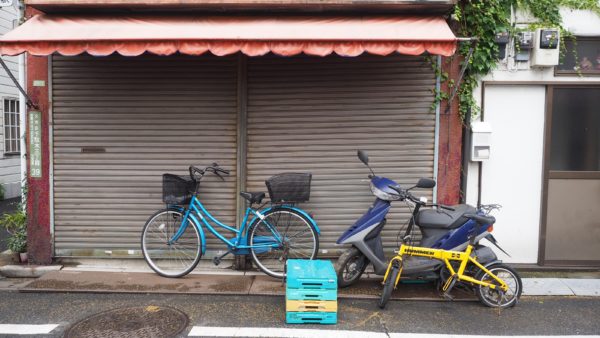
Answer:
x=462 y=71
x=30 y=103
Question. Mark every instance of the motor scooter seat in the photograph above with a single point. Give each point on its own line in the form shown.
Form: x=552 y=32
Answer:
x=444 y=219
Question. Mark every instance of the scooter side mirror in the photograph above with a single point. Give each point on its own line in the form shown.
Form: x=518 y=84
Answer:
x=362 y=156
x=425 y=183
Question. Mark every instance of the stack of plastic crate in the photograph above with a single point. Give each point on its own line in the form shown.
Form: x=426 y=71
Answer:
x=311 y=292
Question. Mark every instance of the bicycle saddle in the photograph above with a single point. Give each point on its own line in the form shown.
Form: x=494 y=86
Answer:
x=253 y=197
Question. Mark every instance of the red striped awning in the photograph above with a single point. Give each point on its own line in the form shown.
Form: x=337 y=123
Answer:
x=132 y=35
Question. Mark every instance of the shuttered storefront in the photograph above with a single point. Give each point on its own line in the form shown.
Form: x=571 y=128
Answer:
x=312 y=114
x=118 y=124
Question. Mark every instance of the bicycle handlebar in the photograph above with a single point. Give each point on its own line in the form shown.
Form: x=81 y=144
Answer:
x=214 y=168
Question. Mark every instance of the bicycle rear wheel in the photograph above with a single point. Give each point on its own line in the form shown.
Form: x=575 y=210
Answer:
x=170 y=259
x=496 y=298
x=281 y=235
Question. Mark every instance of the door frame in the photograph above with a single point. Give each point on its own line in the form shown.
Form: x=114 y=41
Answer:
x=547 y=175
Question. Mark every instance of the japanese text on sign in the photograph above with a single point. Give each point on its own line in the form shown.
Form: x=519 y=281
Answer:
x=35 y=144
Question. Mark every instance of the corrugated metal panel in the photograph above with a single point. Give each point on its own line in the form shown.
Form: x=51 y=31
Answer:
x=146 y=115
x=310 y=114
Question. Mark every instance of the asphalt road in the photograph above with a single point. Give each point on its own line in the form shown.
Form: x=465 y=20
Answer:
x=532 y=316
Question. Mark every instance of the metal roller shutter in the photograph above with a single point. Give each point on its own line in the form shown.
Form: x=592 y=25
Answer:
x=118 y=124
x=312 y=114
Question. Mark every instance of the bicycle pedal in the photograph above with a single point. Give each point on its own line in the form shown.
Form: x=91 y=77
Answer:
x=216 y=260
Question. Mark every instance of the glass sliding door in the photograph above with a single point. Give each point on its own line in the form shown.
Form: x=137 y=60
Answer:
x=571 y=216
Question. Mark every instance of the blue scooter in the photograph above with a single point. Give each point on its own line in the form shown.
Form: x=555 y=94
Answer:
x=441 y=226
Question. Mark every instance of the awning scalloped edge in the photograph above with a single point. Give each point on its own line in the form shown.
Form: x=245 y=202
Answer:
x=222 y=48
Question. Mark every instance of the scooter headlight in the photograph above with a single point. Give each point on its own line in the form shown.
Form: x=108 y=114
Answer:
x=382 y=194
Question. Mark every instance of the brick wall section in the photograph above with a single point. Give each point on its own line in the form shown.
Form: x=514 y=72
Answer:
x=450 y=146
x=39 y=241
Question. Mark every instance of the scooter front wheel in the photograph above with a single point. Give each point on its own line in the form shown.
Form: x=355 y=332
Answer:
x=350 y=266
x=388 y=286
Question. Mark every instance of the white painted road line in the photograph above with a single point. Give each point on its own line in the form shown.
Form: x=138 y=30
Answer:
x=213 y=331
x=425 y=335
x=26 y=328
x=209 y=331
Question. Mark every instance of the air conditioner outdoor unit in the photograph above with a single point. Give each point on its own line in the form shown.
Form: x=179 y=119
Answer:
x=546 y=51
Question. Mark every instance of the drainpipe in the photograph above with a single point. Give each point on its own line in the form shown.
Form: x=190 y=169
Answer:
x=436 y=143
x=22 y=115
x=466 y=150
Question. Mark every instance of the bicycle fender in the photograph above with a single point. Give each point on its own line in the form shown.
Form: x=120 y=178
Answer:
x=196 y=224
x=497 y=261
x=200 y=231
x=302 y=212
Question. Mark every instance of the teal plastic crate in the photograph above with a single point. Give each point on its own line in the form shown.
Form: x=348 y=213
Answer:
x=310 y=294
x=311 y=317
x=310 y=274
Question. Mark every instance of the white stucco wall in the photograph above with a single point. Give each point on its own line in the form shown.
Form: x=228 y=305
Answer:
x=10 y=176
x=512 y=176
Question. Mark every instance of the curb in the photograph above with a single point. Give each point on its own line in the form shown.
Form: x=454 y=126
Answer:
x=27 y=271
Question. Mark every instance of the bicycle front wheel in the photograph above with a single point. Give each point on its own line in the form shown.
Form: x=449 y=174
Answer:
x=389 y=285
x=282 y=234
x=166 y=257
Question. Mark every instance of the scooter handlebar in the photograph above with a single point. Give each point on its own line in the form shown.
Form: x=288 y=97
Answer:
x=405 y=194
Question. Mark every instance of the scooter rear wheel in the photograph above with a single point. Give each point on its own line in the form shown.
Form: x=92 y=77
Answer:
x=388 y=286
x=350 y=266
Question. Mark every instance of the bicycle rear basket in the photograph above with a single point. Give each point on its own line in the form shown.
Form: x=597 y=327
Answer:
x=177 y=189
x=289 y=187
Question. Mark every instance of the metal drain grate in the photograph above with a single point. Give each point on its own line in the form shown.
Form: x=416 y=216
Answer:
x=131 y=322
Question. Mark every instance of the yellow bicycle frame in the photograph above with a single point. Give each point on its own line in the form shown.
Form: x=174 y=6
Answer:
x=446 y=256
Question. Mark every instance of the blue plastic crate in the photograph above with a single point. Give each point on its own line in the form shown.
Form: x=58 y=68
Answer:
x=310 y=274
x=310 y=294
x=311 y=317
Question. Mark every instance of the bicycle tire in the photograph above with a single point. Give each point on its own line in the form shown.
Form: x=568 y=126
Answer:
x=485 y=294
x=156 y=249
x=259 y=234
x=388 y=286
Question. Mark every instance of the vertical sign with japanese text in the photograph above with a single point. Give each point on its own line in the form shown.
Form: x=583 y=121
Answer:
x=35 y=144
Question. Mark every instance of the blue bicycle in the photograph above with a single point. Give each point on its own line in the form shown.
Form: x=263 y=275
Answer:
x=173 y=238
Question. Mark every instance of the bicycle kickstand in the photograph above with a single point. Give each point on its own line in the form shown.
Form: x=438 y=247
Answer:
x=448 y=287
x=217 y=259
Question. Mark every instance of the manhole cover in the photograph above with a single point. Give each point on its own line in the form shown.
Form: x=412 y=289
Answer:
x=142 y=321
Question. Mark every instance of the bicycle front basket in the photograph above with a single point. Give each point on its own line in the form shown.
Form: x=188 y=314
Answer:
x=289 y=187
x=177 y=189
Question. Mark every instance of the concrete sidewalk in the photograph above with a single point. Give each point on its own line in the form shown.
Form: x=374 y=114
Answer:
x=134 y=276
x=245 y=283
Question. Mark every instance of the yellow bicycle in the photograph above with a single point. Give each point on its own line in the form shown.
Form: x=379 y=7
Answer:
x=496 y=285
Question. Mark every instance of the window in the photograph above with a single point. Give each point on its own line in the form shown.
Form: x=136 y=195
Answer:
x=581 y=54
x=575 y=140
x=12 y=131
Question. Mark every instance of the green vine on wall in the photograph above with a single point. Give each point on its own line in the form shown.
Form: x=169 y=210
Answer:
x=484 y=19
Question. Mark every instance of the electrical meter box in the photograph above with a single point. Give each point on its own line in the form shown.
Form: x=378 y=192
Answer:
x=546 y=51
x=525 y=44
x=481 y=137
